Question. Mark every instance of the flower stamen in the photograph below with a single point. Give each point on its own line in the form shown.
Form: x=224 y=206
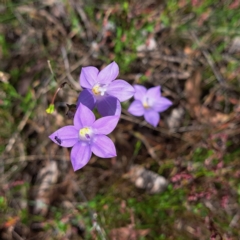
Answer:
x=146 y=104
x=86 y=133
x=95 y=89
x=99 y=89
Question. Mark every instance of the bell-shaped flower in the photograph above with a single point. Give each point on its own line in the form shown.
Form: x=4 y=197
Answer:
x=149 y=103
x=87 y=136
x=102 y=90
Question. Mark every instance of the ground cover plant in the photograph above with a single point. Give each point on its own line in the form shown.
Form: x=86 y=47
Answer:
x=169 y=165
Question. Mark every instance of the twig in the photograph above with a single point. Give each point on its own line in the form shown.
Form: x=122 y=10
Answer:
x=209 y=59
x=150 y=149
x=16 y=236
x=98 y=228
x=234 y=221
x=51 y=70
x=20 y=127
x=93 y=216
x=31 y=158
x=77 y=64
x=67 y=68
x=84 y=19
x=192 y=128
x=22 y=124
x=143 y=123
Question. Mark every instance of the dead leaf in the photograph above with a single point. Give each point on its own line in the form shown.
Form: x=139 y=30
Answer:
x=210 y=116
x=202 y=113
x=11 y=222
x=127 y=233
x=188 y=50
x=193 y=88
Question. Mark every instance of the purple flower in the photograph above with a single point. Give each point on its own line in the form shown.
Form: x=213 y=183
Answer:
x=103 y=91
x=87 y=135
x=149 y=103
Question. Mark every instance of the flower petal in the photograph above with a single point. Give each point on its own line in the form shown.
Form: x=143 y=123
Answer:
x=83 y=117
x=136 y=108
x=152 y=117
x=121 y=90
x=140 y=92
x=161 y=104
x=103 y=147
x=86 y=98
x=109 y=106
x=80 y=155
x=105 y=125
x=88 y=77
x=66 y=136
x=108 y=74
x=154 y=92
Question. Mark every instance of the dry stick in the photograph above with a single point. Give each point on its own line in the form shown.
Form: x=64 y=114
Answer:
x=51 y=70
x=16 y=235
x=234 y=221
x=53 y=76
x=143 y=123
x=22 y=124
x=67 y=68
x=93 y=216
x=32 y=158
x=76 y=65
x=209 y=59
x=86 y=22
x=20 y=127
x=217 y=73
x=6 y=177
x=150 y=149
x=61 y=85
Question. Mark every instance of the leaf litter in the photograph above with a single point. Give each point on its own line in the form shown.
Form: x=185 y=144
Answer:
x=194 y=149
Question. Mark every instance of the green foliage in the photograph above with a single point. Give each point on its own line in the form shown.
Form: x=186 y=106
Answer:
x=128 y=38
x=124 y=41
x=3 y=204
x=232 y=157
x=127 y=35
x=148 y=210
x=15 y=74
x=201 y=154
x=137 y=148
x=4 y=46
x=8 y=95
x=207 y=21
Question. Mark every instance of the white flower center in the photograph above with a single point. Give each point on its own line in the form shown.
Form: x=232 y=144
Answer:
x=99 y=89
x=147 y=103
x=86 y=134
